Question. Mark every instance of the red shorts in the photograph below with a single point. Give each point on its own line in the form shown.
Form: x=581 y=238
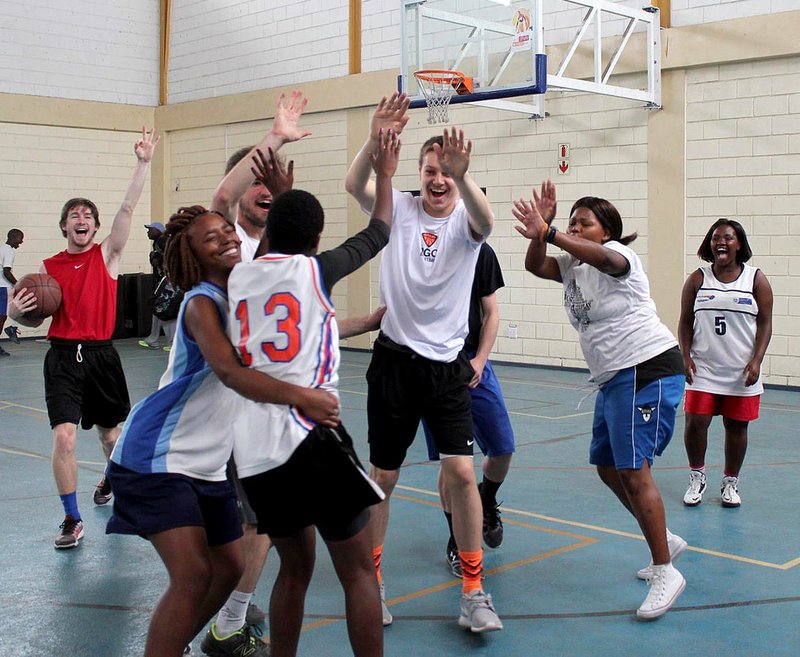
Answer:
x=744 y=409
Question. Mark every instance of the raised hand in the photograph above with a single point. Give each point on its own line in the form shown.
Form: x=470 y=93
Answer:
x=386 y=158
x=391 y=114
x=321 y=406
x=146 y=146
x=528 y=215
x=546 y=201
x=271 y=172
x=287 y=115
x=454 y=153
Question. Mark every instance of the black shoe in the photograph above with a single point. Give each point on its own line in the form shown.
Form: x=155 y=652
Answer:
x=453 y=560
x=13 y=334
x=239 y=644
x=492 y=526
x=102 y=493
x=3 y=352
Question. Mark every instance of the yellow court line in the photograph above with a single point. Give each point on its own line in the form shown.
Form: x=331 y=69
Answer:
x=9 y=404
x=615 y=532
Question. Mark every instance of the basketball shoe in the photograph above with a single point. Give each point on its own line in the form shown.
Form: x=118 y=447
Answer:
x=71 y=532
x=478 y=613
x=697 y=486
x=676 y=548
x=241 y=643
x=102 y=492
x=388 y=619
x=730 y=492
x=666 y=584
x=13 y=334
x=453 y=560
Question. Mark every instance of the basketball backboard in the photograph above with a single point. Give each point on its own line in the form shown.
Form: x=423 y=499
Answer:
x=491 y=41
x=514 y=49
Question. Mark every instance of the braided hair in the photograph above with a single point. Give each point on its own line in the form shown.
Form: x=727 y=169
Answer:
x=180 y=263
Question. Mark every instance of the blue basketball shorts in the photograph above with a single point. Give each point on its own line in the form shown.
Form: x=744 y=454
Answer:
x=4 y=300
x=632 y=425
x=491 y=427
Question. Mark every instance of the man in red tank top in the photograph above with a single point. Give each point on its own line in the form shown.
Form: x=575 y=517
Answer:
x=83 y=377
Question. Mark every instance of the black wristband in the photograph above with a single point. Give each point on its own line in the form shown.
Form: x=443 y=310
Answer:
x=551 y=235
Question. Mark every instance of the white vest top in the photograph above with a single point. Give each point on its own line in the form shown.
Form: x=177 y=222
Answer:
x=724 y=334
x=282 y=323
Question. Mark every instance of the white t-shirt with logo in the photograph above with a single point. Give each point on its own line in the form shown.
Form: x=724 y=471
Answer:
x=6 y=260
x=615 y=316
x=426 y=278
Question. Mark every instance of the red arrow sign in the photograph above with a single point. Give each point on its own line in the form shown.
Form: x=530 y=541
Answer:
x=563 y=166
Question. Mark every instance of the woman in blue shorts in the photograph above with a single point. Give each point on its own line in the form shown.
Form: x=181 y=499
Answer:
x=167 y=470
x=632 y=357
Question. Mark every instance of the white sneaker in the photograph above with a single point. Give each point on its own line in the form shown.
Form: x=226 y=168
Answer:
x=478 y=614
x=676 y=548
x=697 y=486
x=388 y=619
x=730 y=492
x=666 y=585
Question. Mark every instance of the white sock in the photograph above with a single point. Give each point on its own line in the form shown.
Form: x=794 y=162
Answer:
x=231 y=616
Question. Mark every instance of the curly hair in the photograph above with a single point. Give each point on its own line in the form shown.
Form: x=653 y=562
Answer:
x=180 y=263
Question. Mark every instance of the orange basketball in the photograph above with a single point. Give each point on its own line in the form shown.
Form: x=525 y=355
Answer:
x=47 y=291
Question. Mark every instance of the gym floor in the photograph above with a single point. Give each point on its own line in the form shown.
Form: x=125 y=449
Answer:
x=563 y=580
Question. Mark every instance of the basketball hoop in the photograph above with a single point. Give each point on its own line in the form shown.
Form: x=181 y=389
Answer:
x=438 y=87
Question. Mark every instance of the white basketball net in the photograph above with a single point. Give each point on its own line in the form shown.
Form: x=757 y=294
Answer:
x=438 y=88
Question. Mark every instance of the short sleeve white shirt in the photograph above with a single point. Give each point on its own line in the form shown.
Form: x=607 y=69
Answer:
x=6 y=260
x=426 y=278
x=615 y=316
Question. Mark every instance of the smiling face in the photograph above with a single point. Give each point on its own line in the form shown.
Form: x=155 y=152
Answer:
x=584 y=223
x=724 y=245
x=79 y=227
x=439 y=192
x=254 y=207
x=215 y=245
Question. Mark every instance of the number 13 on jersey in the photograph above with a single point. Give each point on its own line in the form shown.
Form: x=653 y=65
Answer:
x=283 y=309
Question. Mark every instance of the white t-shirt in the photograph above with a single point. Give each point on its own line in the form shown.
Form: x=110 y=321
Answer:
x=426 y=278
x=724 y=334
x=615 y=317
x=6 y=260
x=249 y=244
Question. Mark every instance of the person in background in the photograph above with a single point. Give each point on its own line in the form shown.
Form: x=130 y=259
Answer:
x=725 y=328
x=156 y=234
x=83 y=377
x=15 y=237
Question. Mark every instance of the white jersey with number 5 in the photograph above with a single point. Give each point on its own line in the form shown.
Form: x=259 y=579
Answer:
x=282 y=323
x=724 y=334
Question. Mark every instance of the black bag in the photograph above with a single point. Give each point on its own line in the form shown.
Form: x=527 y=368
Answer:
x=167 y=300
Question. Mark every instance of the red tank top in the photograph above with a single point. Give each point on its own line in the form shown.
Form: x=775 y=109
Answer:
x=89 y=304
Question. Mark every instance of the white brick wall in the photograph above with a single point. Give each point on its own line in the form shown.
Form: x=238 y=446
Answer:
x=696 y=12
x=105 y=50
x=744 y=164
x=245 y=45
x=41 y=167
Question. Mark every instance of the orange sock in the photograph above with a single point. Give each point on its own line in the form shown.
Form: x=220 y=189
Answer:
x=471 y=568
x=377 y=555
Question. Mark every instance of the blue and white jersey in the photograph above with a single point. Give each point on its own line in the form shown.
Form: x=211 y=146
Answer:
x=184 y=427
x=282 y=323
x=725 y=334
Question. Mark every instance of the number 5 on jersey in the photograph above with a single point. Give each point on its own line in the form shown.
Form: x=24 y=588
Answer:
x=284 y=308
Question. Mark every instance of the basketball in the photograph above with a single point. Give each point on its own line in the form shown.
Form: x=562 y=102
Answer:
x=47 y=291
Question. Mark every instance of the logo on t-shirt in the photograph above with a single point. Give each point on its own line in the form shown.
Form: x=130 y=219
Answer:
x=746 y=301
x=577 y=304
x=704 y=297
x=646 y=411
x=426 y=251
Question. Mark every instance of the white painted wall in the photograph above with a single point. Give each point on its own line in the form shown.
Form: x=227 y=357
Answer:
x=243 y=45
x=103 y=50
